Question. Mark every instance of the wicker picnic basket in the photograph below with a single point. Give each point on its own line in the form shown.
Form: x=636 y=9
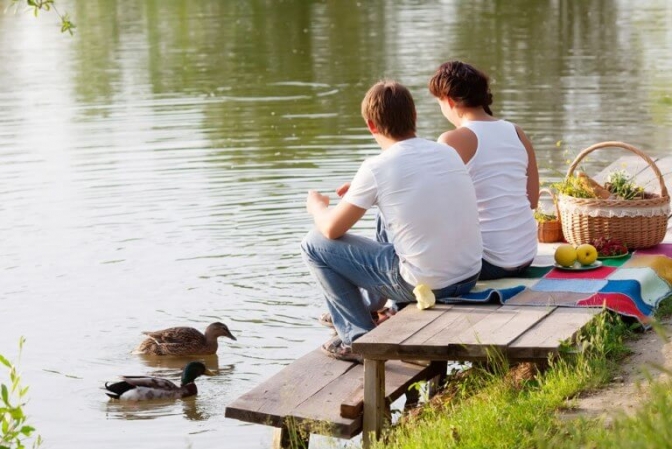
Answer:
x=550 y=231
x=638 y=223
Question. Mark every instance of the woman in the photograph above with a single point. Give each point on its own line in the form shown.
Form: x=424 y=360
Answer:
x=502 y=165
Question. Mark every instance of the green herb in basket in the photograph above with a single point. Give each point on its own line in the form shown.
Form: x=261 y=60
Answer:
x=621 y=184
x=543 y=217
x=573 y=186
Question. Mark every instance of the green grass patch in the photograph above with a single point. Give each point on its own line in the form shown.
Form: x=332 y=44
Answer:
x=487 y=408
x=649 y=427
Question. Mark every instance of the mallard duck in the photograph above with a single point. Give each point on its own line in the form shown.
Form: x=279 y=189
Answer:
x=142 y=388
x=183 y=341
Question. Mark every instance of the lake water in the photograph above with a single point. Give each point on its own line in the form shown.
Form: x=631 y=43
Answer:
x=153 y=171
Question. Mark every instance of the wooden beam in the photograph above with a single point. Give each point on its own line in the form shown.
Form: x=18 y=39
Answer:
x=374 y=401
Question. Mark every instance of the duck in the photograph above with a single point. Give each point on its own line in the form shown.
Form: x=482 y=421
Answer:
x=183 y=340
x=144 y=388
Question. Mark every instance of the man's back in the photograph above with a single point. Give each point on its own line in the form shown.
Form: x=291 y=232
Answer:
x=427 y=200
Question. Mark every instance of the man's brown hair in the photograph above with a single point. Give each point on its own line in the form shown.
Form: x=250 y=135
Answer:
x=390 y=107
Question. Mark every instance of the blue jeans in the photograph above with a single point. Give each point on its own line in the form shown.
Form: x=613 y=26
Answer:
x=490 y=271
x=345 y=266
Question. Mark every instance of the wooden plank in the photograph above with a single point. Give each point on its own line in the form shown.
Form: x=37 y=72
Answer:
x=496 y=330
x=545 y=337
x=503 y=326
x=401 y=326
x=418 y=326
x=276 y=398
x=374 y=401
x=432 y=343
x=353 y=405
x=457 y=318
x=398 y=377
x=320 y=411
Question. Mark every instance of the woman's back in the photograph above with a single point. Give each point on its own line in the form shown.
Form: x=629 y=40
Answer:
x=498 y=170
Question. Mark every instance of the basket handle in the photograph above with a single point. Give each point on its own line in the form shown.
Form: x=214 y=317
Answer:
x=625 y=146
x=555 y=202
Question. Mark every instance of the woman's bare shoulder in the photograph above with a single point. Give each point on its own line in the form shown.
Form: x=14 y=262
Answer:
x=463 y=140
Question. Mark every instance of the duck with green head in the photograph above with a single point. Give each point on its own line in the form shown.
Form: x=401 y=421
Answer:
x=143 y=388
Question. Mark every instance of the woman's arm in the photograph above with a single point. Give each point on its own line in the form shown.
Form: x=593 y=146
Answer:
x=532 y=169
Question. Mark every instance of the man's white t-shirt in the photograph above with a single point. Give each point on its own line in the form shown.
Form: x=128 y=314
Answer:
x=428 y=203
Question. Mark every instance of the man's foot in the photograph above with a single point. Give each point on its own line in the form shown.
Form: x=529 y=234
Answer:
x=336 y=349
x=384 y=314
x=377 y=317
x=325 y=320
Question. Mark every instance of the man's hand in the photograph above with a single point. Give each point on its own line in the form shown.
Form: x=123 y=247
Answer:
x=316 y=202
x=342 y=190
x=332 y=222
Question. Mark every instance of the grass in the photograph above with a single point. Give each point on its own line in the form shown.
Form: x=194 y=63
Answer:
x=488 y=409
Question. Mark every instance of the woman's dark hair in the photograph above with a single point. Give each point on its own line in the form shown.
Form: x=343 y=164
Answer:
x=464 y=84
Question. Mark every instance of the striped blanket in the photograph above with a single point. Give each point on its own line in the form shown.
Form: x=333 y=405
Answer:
x=633 y=285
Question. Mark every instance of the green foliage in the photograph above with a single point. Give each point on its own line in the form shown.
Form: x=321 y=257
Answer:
x=649 y=427
x=664 y=309
x=543 y=217
x=14 y=430
x=485 y=408
x=48 y=5
x=572 y=186
x=621 y=184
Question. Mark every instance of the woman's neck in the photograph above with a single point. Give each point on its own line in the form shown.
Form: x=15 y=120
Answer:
x=474 y=115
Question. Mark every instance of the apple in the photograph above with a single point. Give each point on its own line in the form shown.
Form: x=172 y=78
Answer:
x=586 y=254
x=565 y=255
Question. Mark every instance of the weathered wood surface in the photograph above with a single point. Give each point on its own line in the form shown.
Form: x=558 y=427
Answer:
x=374 y=409
x=310 y=391
x=542 y=339
x=398 y=377
x=466 y=332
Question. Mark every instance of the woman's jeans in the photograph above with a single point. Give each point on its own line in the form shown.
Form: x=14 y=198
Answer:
x=490 y=271
x=345 y=265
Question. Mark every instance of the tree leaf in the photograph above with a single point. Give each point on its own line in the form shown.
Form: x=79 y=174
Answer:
x=27 y=430
x=5 y=362
x=5 y=394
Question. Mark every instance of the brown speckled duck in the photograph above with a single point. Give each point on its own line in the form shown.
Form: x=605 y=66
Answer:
x=183 y=341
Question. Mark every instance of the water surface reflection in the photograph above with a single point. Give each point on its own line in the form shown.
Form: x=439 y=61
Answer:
x=153 y=171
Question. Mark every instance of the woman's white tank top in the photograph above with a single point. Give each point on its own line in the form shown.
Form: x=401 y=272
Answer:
x=498 y=170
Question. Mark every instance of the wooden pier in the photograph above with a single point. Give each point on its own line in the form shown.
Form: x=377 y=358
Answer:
x=321 y=395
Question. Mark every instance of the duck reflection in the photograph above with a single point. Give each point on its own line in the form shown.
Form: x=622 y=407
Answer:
x=171 y=363
x=193 y=411
x=134 y=411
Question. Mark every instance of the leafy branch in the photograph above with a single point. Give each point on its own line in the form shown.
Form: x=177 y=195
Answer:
x=13 y=427
x=48 y=5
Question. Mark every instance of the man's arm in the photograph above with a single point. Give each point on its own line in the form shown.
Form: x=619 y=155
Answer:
x=334 y=222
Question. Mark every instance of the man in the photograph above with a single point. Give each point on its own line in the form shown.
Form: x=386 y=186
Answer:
x=427 y=202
